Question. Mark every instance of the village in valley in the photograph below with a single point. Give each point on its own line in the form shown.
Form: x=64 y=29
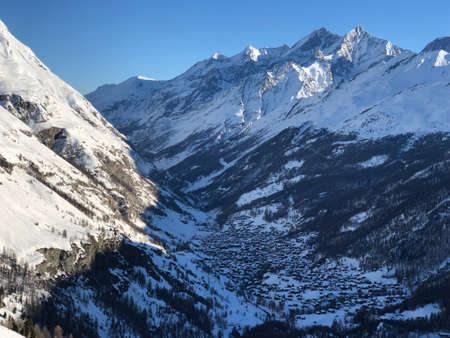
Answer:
x=289 y=278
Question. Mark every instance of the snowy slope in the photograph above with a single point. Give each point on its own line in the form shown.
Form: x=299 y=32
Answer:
x=37 y=197
x=38 y=97
x=46 y=202
x=82 y=180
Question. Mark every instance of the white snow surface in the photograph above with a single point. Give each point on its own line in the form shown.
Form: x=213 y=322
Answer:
x=294 y=164
x=374 y=161
x=7 y=333
x=360 y=217
x=250 y=196
x=58 y=104
x=33 y=214
x=356 y=221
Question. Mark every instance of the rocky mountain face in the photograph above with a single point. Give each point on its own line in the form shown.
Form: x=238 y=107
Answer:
x=325 y=165
x=88 y=244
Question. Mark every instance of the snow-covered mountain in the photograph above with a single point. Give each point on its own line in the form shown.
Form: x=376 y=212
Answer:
x=57 y=149
x=87 y=242
x=352 y=84
x=325 y=163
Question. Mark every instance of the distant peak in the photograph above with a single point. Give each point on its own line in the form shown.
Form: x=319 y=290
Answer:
x=250 y=49
x=137 y=81
x=252 y=53
x=319 y=39
x=354 y=47
x=359 y=29
x=438 y=44
x=356 y=33
x=320 y=31
x=217 y=56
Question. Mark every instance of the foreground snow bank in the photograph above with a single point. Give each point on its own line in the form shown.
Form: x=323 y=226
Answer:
x=7 y=333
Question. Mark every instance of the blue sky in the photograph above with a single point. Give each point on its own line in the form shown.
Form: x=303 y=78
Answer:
x=89 y=43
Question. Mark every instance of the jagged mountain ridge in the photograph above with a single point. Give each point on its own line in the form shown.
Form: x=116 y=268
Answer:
x=278 y=87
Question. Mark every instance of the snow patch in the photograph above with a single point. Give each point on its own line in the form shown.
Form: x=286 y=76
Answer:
x=374 y=161
x=291 y=151
x=7 y=333
x=421 y=312
x=253 y=195
x=294 y=164
x=360 y=217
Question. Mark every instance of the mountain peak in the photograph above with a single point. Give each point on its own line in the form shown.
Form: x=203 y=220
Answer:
x=319 y=39
x=138 y=79
x=442 y=43
x=359 y=29
x=252 y=53
x=360 y=46
x=356 y=34
x=321 y=31
x=218 y=56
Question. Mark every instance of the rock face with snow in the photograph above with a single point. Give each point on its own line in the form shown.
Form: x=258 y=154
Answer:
x=334 y=150
x=352 y=84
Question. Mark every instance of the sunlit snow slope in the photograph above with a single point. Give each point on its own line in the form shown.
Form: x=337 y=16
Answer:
x=65 y=172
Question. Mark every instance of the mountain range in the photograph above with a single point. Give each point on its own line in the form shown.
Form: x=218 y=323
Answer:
x=301 y=190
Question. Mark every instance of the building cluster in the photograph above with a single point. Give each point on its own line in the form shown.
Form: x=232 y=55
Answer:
x=287 y=275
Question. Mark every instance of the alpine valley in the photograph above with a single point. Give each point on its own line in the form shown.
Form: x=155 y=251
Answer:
x=281 y=192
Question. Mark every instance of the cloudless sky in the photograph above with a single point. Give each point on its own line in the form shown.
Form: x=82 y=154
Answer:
x=92 y=42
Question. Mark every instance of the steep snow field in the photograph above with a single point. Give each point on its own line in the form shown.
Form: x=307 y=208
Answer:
x=55 y=103
x=50 y=198
x=34 y=214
